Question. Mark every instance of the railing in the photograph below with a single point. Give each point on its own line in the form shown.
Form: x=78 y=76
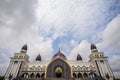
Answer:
x=53 y=79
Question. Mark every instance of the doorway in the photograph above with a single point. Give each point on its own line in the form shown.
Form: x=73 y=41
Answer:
x=58 y=72
x=58 y=75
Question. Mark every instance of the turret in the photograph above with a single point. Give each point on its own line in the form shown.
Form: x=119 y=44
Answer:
x=24 y=49
x=101 y=63
x=38 y=58
x=93 y=48
x=16 y=64
x=79 y=58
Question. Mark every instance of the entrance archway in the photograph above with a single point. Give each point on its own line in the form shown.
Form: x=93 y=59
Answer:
x=58 y=72
x=58 y=68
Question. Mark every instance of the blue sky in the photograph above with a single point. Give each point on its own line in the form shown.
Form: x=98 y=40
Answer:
x=47 y=25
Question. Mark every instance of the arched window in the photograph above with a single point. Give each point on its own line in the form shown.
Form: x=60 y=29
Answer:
x=37 y=75
x=42 y=75
x=25 y=75
x=39 y=68
x=79 y=75
x=78 y=68
x=73 y=68
x=92 y=75
x=85 y=75
x=32 y=75
x=74 y=75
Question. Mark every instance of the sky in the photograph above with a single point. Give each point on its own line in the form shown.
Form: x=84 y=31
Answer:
x=69 y=25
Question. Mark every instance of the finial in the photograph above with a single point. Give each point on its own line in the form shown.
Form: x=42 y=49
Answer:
x=59 y=50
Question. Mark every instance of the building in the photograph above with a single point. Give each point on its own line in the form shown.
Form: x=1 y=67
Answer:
x=59 y=68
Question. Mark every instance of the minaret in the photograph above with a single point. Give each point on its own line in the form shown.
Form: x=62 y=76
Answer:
x=16 y=64
x=101 y=63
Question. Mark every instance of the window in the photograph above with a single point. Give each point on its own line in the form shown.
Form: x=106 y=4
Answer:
x=15 y=62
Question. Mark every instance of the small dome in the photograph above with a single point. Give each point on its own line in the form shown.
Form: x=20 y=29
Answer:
x=24 y=49
x=79 y=57
x=38 y=58
x=93 y=46
x=59 y=54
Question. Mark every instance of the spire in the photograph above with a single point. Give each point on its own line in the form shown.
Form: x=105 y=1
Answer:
x=38 y=58
x=24 y=49
x=59 y=54
x=79 y=57
x=59 y=50
x=93 y=48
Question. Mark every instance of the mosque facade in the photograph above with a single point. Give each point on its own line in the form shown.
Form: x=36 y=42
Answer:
x=59 y=68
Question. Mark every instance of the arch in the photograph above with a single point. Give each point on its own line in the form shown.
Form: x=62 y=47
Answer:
x=37 y=75
x=32 y=75
x=25 y=75
x=78 y=68
x=66 y=69
x=74 y=75
x=92 y=74
x=58 y=69
x=85 y=75
x=42 y=75
x=39 y=68
x=79 y=75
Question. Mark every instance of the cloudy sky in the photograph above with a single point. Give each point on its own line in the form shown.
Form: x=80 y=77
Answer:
x=71 y=25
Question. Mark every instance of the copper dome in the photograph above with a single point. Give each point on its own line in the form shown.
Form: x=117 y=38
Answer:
x=79 y=57
x=59 y=54
x=38 y=58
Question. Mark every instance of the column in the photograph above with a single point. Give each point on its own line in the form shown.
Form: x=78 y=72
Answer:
x=8 y=70
x=109 y=69
x=98 y=62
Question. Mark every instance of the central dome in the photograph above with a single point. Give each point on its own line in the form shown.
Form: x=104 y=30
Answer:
x=59 y=55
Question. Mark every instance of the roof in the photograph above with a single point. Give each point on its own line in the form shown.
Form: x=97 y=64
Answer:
x=59 y=54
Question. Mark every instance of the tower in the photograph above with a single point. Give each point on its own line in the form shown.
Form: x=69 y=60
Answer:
x=16 y=64
x=101 y=63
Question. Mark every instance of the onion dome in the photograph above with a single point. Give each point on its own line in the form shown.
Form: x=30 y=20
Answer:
x=93 y=48
x=59 y=55
x=38 y=58
x=79 y=57
x=24 y=49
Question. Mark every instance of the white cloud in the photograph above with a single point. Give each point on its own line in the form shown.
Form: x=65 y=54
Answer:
x=83 y=49
x=111 y=42
x=60 y=17
x=39 y=22
x=115 y=62
x=111 y=36
x=73 y=42
x=3 y=58
x=18 y=26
